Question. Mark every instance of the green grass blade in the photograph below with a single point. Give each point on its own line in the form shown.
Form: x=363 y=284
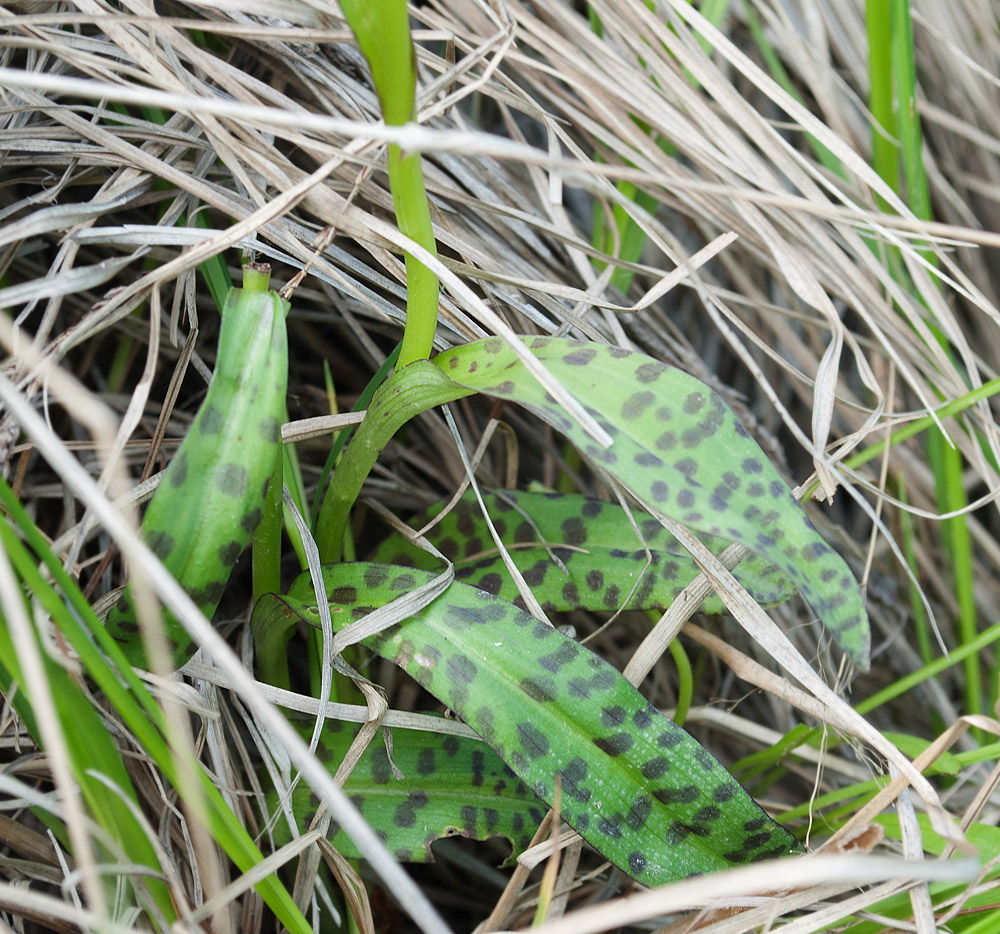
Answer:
x=92 y=753
x=131 y=701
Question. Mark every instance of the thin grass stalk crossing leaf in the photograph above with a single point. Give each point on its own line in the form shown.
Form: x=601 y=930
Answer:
x=643 y=792
x=212 y=495
x=620 y=567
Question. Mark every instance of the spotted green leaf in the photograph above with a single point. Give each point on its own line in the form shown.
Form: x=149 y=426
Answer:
x=575 y=552
x=451 y=786
x=682 y=451
x=643 y=792
x=211 y=496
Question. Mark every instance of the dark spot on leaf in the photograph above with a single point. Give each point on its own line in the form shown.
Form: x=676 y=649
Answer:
x=575 y=773
x=669 y=738
x=580 y=357
x=473 y=546
x=573 y=530
x=565 y=654
x=533 y=741
x=637 y=403
x=659 y=491
x=250 y=520
x=612 y=716
x=403 y=582
x=466 y=524
x=381 y=772
x=693 y=403
x=610 y=827
x=232 y=480
x=229 y=552
x=666 y=442
x=177 y=472
x=461 y=669
x=491 y=583
x=636 y=863
x=542 y=630
x=705 y=758
x=687 y=466
x=534 y=575
x=614 y=745
x=655 y=767
x=524 y=533
x=541 y=690
x=724 y=793
x=211 y=420
x=578 y=688
x=639 y=812
x=160 y=543
x=649 y=372
x=270 y=429
x=756 y=841
x=344 y=596
x=591 y=508
x=478 y=767
x=815 y=550
x=425 y=761
x=208 y=597
x=676 y=833
x=404 y=815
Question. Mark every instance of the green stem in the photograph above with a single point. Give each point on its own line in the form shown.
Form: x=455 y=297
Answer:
x=272 y=665
x=685 y=681
x=405 y=394
x=382 y=28
x=413 y=216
